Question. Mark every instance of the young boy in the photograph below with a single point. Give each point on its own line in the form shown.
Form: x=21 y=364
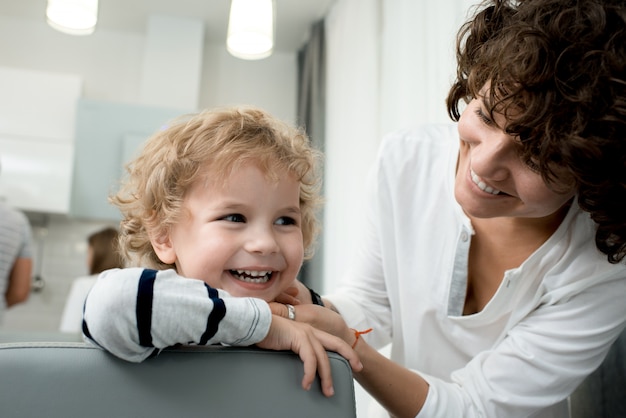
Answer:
x=218 y=205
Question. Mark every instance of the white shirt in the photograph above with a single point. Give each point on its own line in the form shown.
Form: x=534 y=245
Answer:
x=72 y=318
x=549 y=324
x=15 y=242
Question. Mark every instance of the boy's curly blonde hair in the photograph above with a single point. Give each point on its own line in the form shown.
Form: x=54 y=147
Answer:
x=151 y=195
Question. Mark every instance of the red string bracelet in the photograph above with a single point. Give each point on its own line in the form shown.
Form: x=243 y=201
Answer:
x=357 y=335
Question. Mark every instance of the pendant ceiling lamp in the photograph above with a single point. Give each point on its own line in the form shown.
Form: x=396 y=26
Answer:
x=251 y=29
x=75 y=17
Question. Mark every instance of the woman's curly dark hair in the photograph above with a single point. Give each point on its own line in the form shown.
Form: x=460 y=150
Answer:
x=557 y=70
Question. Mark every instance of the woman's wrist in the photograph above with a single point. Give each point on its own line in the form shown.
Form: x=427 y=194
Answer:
x=357 y=335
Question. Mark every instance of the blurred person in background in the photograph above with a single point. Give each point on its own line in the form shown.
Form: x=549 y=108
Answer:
x=16 y=260
x=102 y=255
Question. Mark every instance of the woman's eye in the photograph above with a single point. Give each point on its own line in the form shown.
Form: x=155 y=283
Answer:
x=235 y=217
x=483 y=117
x=286 y=220
x=532 y=165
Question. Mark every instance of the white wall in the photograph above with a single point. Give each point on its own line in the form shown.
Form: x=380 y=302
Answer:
x=390 y=64
x=270 y=83
x=110 y=64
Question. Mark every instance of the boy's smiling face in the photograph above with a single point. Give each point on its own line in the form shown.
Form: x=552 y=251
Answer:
x=242 y=235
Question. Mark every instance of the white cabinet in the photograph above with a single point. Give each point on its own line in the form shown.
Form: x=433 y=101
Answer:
x=37 y=119
x=108 y=135
x=36 y=174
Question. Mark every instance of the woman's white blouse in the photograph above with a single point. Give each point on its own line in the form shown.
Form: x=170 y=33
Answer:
x=550 y=323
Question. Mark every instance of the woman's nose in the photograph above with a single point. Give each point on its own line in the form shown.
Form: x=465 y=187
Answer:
x=490 y=158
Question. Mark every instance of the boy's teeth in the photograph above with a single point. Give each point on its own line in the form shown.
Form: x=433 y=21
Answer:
x=252 y=273
x=251 y=276
x=481 y=184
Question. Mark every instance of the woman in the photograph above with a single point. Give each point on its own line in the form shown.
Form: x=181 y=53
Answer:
x=492 y=257
x=102 y=255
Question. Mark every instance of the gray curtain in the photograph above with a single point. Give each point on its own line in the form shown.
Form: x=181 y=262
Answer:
x=603 y=393
x=311 y=115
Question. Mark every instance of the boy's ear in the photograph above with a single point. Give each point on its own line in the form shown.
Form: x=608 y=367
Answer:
x=163 y=247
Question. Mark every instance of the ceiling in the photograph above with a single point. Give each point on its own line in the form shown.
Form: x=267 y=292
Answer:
x=293 y=17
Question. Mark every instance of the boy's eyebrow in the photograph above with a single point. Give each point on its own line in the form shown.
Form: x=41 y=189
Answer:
x=232 y=205
x=238 y=206
x=293 y=209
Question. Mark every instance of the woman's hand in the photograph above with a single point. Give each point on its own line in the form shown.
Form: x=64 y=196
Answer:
x=318 y=317
x=311 y=345
x=398 y=389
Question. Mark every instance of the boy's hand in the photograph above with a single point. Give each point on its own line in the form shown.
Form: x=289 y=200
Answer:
x=310 y=344
x=295 y=295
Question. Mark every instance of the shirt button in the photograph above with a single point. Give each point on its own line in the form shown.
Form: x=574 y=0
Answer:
x=464 y=236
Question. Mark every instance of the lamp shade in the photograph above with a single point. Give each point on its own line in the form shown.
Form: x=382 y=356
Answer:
x=75 y=17
x=251 y=29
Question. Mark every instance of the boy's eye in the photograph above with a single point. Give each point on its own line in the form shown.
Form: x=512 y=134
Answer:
x=286 y=220
x=235 y=217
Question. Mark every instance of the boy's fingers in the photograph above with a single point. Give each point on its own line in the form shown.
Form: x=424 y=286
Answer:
x=292 y=291
x=290 y=296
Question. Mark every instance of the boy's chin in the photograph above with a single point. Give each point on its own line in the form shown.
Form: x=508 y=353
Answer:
x=247 y=293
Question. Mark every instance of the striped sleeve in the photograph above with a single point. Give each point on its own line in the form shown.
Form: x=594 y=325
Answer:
x=133 y=313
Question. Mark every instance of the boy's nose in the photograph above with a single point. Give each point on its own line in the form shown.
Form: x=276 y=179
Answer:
x=261 y=241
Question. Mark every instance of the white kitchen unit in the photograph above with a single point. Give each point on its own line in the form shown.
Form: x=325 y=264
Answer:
x=36 y=175
x=108 y=135
x=37 y=119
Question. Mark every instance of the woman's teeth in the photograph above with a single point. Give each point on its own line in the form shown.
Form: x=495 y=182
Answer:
x=250 y=276
x=481 y=184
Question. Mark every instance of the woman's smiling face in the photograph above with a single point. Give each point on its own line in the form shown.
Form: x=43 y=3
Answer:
x=491 y=179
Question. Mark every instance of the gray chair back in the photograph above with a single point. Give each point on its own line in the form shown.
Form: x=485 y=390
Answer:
x=67 y=380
